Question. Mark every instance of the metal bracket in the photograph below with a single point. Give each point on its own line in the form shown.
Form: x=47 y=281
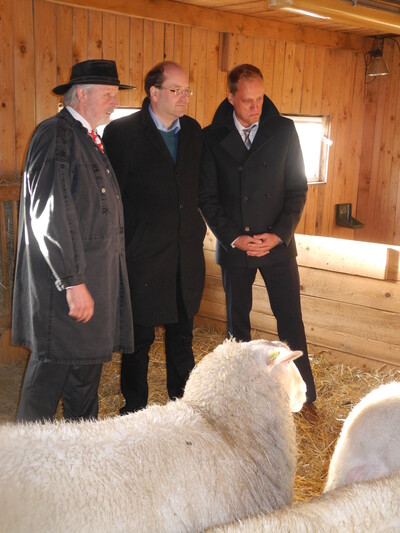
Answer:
x=344 y=218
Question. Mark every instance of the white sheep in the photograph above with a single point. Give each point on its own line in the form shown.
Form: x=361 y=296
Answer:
x=368 y=507
x=368 y=446
x=225 y=450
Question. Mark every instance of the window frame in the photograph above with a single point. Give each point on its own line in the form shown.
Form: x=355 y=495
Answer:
x=324 y=144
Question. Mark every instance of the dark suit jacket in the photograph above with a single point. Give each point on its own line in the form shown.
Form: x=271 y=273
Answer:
x=164 y=228
x=249 y=192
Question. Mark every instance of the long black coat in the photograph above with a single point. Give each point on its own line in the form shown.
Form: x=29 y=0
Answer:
x=250 y=192
x=164 y=228
x=70 y=232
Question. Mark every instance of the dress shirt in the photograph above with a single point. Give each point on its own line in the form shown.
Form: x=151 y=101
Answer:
x=79 y=117
x=176 y=125
x=240 y=128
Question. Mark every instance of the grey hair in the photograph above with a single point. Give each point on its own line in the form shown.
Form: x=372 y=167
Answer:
x=70 y=97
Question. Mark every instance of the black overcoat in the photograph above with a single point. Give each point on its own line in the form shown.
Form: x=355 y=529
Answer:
x=70 y=232
x=250 y=192
x=164 y=228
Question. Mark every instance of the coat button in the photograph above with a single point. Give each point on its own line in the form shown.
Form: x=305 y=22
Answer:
x=108 y=171
x=247 y=228
x=103 y=190
x=265 y=163
x=267 y=194
x=180 y=206
x=245 y=198
x=240 y=168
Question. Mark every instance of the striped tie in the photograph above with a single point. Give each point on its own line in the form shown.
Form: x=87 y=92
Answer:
x=96 y=139
x=246 y=133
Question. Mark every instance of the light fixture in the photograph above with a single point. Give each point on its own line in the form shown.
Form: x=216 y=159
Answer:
x=374 y=62
x=285 y=5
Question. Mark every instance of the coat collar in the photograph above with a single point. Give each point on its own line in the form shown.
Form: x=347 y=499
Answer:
x=232 y=141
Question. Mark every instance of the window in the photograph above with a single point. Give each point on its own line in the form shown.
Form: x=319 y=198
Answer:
x=313 y=132
x=118 y=113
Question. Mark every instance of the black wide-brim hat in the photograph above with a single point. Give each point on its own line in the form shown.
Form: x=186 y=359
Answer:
x=93 y=71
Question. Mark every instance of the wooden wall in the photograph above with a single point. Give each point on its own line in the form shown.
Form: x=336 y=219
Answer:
x=41 y=39
x=350 y=297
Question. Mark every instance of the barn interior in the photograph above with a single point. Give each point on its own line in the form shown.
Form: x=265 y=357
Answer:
x=335 y=61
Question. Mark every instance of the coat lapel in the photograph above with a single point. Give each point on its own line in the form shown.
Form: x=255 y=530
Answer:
x=233 y=144
x=264 y=135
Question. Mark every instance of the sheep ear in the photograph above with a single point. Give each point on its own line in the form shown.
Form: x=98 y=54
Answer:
x=274 y=360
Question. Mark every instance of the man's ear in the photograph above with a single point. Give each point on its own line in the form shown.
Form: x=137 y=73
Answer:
x=80 y=94
x=153 y=92
x=230 y=97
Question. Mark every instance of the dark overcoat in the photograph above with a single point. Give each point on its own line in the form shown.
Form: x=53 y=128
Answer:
x=70 y=232
x=250 y=192
x=164 y=228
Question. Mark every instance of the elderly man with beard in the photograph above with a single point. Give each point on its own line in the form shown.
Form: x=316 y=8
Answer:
x=71 y=296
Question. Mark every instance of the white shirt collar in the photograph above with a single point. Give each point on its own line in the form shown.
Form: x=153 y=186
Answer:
x=78 y=116
x=240 y=127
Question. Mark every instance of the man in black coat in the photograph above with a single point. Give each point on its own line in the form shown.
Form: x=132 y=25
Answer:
x=252 y=192
x=71 y=294
x=156 y=156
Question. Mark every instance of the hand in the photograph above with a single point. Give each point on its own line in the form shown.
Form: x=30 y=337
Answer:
x=257 y=245
x=269 y=240
x=80 y=302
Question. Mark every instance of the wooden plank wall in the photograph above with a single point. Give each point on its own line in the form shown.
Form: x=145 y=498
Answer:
x=350 y=294
x=42 y=39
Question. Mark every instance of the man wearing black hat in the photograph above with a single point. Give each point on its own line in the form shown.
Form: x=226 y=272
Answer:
x=71 y=296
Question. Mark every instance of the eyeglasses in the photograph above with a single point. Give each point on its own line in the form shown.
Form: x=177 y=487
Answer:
x=178 y=92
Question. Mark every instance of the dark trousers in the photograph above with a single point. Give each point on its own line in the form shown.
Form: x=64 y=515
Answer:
x=179 y=361
x=283 y=287
x=45 y=383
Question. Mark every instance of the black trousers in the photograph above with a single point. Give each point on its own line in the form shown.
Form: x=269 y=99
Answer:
x=45 y=383
x=179 y=360
x=283 y=287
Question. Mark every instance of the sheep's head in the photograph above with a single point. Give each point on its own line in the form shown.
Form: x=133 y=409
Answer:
x=279 y=366
x=235 y=371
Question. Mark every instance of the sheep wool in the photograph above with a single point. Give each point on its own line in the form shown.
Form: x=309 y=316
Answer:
x=224 y=451
x=368 y=445
x=367 y=507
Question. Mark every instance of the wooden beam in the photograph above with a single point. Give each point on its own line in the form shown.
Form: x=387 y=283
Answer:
x=178 y=13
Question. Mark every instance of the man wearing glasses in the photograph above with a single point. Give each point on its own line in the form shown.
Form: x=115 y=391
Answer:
x=156 y=156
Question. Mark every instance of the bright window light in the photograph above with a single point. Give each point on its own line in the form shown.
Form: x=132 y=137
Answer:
x=313 y=132
x=118 y=113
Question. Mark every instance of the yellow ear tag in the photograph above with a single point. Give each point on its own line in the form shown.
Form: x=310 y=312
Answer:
x=273 y=355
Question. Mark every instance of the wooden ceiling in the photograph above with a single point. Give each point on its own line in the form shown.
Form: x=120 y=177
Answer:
x=361 y=17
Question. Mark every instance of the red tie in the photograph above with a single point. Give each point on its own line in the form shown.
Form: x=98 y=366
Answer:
x=96 y=139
